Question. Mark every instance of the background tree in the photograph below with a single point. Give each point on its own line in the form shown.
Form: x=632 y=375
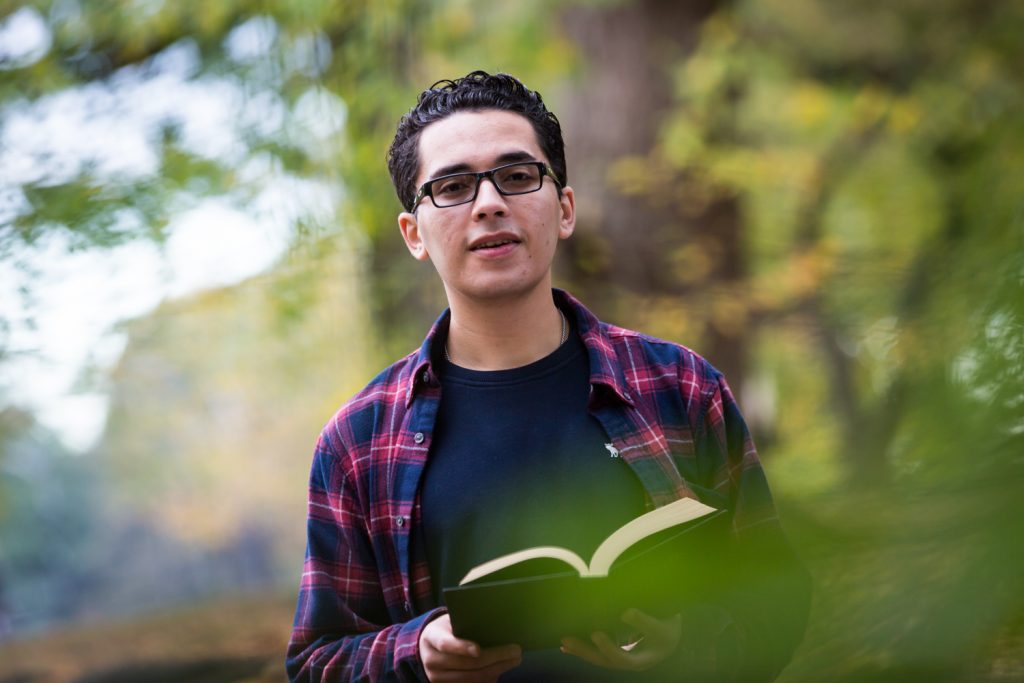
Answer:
x=822 y=198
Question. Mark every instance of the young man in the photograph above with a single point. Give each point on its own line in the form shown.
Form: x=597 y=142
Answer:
x=522 y=420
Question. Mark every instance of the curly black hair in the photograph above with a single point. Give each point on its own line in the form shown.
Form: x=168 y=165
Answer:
x=475 y=91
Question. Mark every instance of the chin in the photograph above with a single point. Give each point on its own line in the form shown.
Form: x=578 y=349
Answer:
x=498 y=290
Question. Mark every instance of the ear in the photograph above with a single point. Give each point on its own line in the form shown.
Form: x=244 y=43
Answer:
x=410 y=227
x=567 y=222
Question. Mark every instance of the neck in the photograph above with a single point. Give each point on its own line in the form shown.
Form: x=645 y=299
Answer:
x=498 y=335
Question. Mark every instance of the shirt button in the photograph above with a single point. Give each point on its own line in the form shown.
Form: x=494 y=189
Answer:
x=400 y=521
x=418 y=438
x=426 y=377
x=408 y=607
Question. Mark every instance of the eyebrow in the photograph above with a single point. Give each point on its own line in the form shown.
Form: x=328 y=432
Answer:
x=500 y=160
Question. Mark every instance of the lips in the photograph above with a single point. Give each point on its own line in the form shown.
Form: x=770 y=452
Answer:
x=493 y=242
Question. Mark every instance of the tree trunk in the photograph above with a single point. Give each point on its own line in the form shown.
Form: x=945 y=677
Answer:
x=625 y=243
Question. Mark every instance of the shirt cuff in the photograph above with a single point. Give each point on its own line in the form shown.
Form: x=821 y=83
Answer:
x=409 y=662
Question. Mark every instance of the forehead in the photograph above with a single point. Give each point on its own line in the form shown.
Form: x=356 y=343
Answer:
x=475 y=139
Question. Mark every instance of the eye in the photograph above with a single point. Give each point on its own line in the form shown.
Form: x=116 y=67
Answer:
x=516 y=179
x=452 y=186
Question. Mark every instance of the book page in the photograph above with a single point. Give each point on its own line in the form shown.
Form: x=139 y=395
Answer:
x=544 y=551
x=676 y=512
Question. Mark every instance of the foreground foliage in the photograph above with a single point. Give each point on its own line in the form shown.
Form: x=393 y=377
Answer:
x=823 y=198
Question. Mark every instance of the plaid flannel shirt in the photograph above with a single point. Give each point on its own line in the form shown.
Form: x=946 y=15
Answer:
x=365 y=594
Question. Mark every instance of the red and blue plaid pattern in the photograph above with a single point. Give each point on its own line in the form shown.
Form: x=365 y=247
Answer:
x=365 y=594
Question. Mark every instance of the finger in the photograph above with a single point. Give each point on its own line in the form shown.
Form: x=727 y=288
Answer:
x=660 y=629
x=503 y=653
x=634 y=640
x=615 y=655
x=646 y=654
x=486 y=674
x=492 y=672
x=585 y=651
x=488 y=657
x=439 y=637
x=455 y=647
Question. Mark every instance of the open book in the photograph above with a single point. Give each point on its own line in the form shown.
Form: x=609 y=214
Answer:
x=536 y=596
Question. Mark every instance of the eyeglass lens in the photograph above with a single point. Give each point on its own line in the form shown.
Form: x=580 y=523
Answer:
x=459 y=189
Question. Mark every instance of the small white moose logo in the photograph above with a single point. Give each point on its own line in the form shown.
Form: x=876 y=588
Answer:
x=612 y=450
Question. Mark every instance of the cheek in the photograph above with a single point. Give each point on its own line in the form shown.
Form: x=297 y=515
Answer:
x=434 y=238
x=443 y=250
x=551 y=233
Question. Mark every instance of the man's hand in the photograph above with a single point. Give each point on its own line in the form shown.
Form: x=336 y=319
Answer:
x=659 y=640
x=447 y=658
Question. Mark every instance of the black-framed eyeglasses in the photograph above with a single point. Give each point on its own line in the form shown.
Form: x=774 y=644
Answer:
x=461 y=188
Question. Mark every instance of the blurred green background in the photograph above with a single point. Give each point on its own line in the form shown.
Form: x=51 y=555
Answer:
x=826 y=199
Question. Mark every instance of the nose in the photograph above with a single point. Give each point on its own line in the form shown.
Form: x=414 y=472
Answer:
x=489 y=202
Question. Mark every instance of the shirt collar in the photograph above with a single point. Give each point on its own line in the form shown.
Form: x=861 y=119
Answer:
x=423 y=374
x=605 y=368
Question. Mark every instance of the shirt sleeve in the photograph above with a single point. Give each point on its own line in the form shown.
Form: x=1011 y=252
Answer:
x=342 y=629
x=766 y=592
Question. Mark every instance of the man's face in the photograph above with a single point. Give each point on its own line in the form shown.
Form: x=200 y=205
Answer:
x=495 y=247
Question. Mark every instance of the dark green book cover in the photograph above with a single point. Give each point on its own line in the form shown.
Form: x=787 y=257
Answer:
x=536 y=601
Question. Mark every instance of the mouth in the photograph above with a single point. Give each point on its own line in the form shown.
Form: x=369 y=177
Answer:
x=493 y=243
